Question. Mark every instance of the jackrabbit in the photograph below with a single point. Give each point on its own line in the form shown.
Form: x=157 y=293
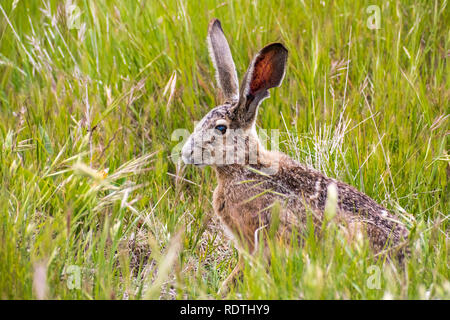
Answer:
x=251 y=179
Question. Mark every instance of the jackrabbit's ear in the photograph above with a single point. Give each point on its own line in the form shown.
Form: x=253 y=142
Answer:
x=223 y=61
x=265 y=71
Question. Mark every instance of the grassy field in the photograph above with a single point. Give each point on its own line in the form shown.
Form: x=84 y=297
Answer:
x=92 y=205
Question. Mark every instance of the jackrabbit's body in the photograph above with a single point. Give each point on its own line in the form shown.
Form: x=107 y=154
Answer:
x=251 y=179
x=244 y=201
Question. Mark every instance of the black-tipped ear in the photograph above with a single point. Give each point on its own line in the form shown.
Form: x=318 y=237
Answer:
x=223 y=61
x=265 y=71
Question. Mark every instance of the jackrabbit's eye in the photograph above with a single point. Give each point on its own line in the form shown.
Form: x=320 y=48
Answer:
x=221 y=128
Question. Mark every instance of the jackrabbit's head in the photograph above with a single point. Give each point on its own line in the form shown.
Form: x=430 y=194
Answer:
x=227 y=134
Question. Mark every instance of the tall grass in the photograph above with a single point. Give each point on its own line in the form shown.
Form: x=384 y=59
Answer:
x=88 y=104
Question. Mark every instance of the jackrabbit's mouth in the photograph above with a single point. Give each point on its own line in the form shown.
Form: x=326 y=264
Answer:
x=188 y=161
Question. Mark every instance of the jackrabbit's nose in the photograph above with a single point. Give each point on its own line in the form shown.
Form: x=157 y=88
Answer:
x=187 y=155
x=187 y=159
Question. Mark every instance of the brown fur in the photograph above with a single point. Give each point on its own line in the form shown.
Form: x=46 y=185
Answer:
x=301 y=191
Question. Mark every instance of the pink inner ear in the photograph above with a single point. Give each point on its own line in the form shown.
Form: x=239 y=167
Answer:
x=262 y=72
